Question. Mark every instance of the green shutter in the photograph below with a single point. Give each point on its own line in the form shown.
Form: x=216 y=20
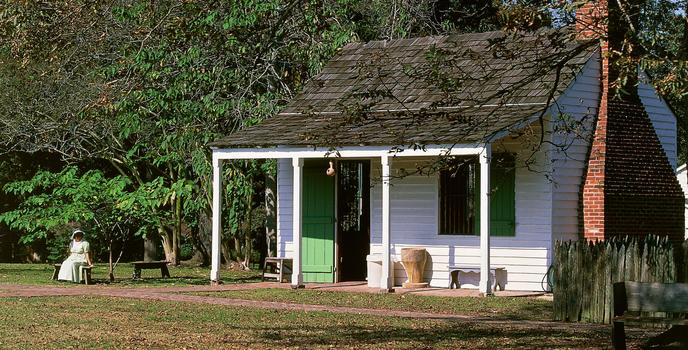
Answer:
x=503 y=201
x=503 y=197
x=476 y=195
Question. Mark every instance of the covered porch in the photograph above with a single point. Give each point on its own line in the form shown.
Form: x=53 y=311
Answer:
x=383 y=157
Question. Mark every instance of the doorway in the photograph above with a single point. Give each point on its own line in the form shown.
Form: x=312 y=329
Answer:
x=353 y=219
x=318 y=222
x=345 y=197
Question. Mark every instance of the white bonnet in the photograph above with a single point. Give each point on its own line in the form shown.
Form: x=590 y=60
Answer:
x=77 y=231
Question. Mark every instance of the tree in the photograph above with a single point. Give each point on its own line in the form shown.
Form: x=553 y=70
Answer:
x=144 y=86
x=55 y=200
x=163 y=80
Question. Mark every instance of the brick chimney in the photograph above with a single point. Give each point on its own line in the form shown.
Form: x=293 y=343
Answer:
x=629 y=187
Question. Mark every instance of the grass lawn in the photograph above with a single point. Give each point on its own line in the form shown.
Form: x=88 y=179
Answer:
x=501 y=307
x=181 y=275
x=106 y=323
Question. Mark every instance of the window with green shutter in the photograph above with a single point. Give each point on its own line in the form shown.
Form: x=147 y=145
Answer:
x=459 y=202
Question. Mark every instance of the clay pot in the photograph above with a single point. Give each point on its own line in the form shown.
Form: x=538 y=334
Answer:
x=413 y=260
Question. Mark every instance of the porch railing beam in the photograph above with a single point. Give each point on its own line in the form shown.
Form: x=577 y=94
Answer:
x=347 y=152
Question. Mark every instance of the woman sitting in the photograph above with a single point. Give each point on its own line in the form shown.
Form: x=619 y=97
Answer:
x=78 y=256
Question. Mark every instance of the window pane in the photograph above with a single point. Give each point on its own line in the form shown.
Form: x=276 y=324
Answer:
x=457 y=204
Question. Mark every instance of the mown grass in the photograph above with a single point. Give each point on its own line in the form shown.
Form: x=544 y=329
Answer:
x=107 y=323
x=181 y=275
x=501 y=307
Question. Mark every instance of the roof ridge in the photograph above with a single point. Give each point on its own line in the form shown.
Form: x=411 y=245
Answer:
x=421 y=40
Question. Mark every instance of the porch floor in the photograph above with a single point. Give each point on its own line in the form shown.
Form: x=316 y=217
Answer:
x=362 y=287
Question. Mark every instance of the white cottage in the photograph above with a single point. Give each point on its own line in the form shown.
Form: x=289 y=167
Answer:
x=476 y=147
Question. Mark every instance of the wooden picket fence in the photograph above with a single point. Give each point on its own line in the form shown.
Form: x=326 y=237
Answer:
x=584 y=273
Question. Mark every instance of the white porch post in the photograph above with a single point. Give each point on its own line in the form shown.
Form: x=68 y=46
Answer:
x=485 y=283
x=217 y=221
x=297 y=274
x=386 y=283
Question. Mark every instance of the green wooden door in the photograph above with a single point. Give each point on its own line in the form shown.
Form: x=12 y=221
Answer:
x=318 y=223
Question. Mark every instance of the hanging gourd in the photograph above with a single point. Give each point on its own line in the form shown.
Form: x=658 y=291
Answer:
x=330 y=171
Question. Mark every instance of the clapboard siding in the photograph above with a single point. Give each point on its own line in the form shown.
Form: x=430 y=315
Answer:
x=662 y=118
x=569 y=152
x=285 y=175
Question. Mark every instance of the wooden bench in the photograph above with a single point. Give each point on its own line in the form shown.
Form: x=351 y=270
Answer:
x=150 y=265
x=632 y=298
x=496 y=275
x=277 y=268
x=84 y=271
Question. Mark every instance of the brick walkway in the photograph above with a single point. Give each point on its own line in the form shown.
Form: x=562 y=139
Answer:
x=173 y=294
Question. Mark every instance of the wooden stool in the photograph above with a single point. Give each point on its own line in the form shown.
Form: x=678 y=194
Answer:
x=85 y=273
x=277 y=268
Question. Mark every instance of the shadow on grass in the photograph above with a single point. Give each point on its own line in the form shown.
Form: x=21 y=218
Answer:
x=26 y=269
x=440 y=334
x=534 y=311
x=174 y=280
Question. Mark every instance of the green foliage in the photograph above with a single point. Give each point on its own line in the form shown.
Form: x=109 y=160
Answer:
x=143 y=87
x=57 y=246
x=54 y=200
x=55 y=203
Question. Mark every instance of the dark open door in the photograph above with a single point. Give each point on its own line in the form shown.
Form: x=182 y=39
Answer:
x=318 y=223
x=353 y=218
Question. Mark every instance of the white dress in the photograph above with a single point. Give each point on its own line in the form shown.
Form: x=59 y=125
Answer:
x=69 y=271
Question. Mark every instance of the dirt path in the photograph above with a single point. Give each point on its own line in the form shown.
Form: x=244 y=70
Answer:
x=173 y=294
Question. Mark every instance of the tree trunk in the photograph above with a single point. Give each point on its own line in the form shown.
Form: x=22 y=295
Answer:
x=202 y=238
x=227 y=253
x=270 y=214
x=237 y=248
x=150 y=249
x=248 y=234
x=177 y=230
x=248 y=245
x=166 y=239
x=111 y=270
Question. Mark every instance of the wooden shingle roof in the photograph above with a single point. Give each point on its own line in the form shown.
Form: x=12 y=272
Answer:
x=444 y=89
